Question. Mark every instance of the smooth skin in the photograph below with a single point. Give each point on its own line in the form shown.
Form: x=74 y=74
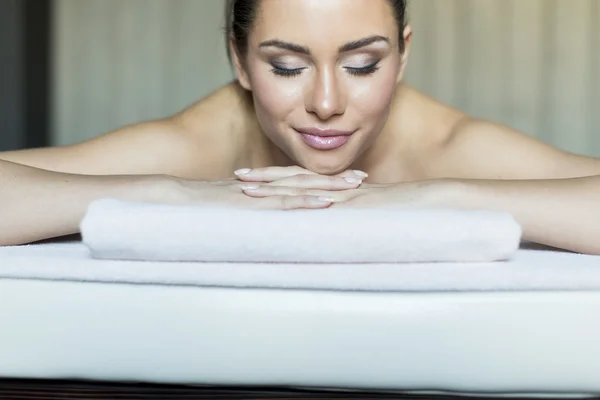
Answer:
x=239 y=145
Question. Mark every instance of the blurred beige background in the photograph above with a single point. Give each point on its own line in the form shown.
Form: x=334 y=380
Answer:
x=530 y=64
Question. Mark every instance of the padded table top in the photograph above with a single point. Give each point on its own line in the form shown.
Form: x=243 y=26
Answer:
x=492 y=342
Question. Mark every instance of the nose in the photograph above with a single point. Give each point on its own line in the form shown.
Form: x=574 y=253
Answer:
x=326 y=98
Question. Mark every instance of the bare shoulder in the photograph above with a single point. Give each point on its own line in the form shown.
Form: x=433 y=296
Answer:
x=219 y=130
x=480 y=149
x=453 y=144
x=448 y=143
x=421 y=126
x=196 y=143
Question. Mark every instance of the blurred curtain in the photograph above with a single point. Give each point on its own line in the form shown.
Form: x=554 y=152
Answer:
x=531 y=64
x=25 y=34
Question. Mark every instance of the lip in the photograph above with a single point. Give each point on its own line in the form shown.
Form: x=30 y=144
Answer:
x=324 y=139
x=323 y=132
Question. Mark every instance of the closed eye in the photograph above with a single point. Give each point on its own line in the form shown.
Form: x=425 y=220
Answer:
x=357 y=71
x=288 y=72
x=363 y=71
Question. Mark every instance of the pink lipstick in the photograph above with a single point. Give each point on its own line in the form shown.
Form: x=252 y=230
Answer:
x=324 y=139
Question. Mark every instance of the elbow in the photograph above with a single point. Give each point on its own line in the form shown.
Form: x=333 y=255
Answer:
x=18 y=237
x=7 y=240
x=586 y=246
x=591 y=249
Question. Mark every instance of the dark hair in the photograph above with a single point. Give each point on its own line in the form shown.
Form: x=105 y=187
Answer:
x=240 y=16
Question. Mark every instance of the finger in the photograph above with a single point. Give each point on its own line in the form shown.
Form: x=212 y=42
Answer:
x=353 y=173
x=266 y=191
x=293 y=202
x=323 y=182
x=270 y=174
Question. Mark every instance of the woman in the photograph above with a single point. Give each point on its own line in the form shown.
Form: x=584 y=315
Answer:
x=318 y=117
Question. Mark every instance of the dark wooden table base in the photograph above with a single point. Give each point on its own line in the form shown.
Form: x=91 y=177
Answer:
x=25 y=389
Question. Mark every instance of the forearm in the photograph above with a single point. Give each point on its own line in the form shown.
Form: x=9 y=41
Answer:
x=562 y=213
x=36 y=204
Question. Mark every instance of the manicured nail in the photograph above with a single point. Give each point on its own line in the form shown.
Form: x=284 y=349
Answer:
x=361 y=173
x=242 y=171
x=250 y=187
x=325 y=199
x=352 y=180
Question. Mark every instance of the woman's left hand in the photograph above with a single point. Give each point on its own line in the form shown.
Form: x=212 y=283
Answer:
x=397 y=195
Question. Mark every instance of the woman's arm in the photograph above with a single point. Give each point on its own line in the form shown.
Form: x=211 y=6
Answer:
x=562 y=213
x=554 y=195
x=37 y=204
x=44 y=192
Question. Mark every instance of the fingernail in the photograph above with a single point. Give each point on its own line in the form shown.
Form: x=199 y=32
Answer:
x=250 y=187
x=242 y=171
x=361 y=173
x=325 y=199
x=352 y=180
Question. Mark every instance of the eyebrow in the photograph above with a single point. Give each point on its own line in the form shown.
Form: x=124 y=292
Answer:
x=354 y=45
x=357 y=44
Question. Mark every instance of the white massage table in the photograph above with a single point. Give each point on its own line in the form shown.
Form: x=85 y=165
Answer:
x=537 y=335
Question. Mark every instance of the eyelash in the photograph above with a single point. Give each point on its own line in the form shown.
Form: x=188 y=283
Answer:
x=286 y=72
x=364 y=71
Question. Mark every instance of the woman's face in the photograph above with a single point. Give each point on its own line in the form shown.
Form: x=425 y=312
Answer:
x=323 y=74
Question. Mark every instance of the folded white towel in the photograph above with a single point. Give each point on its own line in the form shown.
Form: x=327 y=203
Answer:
x=533 y=268
x=114 y=229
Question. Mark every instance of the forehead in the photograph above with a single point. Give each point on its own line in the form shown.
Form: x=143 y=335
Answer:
x=319 y=22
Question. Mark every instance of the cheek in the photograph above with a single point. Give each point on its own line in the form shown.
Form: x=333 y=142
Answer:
x=275 y=98
x=372 y=97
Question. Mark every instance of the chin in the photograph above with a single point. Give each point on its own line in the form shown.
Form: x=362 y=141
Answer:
x=324 y=162
x=324 y=165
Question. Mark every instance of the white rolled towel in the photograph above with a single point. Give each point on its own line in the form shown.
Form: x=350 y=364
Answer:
x=121 y=230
